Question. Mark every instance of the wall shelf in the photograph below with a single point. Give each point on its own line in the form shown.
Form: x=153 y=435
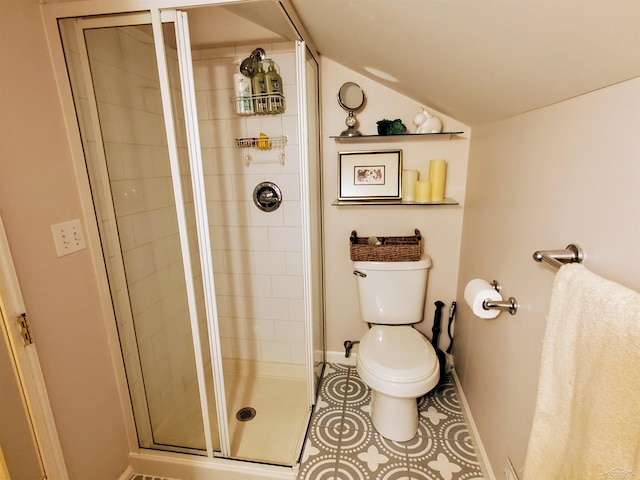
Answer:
x=262 y=143
x=359 y=203
x=401 y=136
x=391 y=138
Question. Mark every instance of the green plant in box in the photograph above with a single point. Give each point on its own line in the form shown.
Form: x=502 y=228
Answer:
x=384 y=126
x=397 y=127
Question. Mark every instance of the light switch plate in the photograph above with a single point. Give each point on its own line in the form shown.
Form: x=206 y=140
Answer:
x=68 y=237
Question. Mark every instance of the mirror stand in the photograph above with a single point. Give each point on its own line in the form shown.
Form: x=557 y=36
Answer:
x=351 y=122
x=351 y=98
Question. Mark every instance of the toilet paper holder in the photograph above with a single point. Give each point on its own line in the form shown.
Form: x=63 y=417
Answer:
x=510 y=305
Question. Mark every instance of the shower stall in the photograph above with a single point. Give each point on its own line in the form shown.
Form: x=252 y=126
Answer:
x=218 y=302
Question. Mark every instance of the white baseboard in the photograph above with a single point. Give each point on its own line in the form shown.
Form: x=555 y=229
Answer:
x=338 y=357
x=127 y=474
x=483 y=460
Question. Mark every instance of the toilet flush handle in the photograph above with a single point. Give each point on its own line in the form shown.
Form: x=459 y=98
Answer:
x=359 y=273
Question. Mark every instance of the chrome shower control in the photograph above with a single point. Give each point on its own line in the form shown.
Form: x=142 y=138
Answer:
x=267 y=196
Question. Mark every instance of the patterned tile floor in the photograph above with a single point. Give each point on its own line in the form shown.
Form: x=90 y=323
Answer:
x=342 y=443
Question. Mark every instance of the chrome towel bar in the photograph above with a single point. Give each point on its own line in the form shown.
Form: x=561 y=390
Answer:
x=557 y=258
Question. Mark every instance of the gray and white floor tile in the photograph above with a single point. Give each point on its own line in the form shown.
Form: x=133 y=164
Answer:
x=343 y=444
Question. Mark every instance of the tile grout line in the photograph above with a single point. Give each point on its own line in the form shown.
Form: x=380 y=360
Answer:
x=343 y=404
x=342 y=418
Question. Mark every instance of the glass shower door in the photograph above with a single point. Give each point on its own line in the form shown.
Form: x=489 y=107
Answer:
x=132 y=82
x=126 y=85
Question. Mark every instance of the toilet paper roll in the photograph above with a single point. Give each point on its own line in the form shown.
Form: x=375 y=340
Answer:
x=476 y=292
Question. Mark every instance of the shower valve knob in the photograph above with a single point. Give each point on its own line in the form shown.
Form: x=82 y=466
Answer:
x=267 y=196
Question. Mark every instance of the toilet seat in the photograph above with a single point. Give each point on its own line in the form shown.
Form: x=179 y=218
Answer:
x=397 y=361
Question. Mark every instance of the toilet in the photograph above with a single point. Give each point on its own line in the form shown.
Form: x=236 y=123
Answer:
x=394 y=359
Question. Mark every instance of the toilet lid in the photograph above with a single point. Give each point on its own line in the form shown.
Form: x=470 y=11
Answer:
x=398 y=353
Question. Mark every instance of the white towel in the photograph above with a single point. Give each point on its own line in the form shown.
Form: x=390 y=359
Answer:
x=587 y=419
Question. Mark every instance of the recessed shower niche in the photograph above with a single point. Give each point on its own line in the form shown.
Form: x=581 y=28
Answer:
x=218 y=305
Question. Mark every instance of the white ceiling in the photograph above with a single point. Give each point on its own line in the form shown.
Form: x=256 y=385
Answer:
x=481 y=60
x=473 y=60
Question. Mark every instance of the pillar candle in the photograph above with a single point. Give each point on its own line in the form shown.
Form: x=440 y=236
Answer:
x=423 y=191
x=437 y=176
x=409 y=178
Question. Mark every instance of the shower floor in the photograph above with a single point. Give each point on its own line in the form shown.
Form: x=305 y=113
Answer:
x=275 y=435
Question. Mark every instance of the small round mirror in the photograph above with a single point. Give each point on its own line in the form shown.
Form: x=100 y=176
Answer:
x=351 y=98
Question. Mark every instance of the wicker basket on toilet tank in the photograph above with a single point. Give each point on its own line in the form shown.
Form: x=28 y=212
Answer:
x=385 y=249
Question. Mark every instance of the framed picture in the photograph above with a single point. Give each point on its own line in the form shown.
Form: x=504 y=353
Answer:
x=370 y=175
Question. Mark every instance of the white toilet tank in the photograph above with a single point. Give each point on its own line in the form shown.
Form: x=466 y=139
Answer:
x=392 y=293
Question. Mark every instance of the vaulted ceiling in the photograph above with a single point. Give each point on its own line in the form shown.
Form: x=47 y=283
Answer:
x=473 y=60
x=481 y=60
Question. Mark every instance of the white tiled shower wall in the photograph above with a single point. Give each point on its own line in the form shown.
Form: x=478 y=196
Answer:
x=257 y=256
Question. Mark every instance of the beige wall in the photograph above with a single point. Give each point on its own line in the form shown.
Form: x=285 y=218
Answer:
x=441 y=226
x=540 y=180
x=568 y=173
x=37 y=189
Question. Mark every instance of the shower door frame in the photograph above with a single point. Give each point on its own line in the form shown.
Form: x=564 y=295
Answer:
x=159 y=10
x=156 y=18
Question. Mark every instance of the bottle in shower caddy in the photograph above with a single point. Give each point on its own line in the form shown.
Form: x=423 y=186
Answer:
x=259 y=87
x=242 y=101
x=274 y=89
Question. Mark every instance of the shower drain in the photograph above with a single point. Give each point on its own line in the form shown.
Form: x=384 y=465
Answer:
x=245 y=414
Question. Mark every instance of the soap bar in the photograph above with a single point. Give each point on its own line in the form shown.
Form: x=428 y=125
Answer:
x=263 y=142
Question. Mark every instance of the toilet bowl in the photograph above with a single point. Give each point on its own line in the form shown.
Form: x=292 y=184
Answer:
x=399 y=365
x=394 y=359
